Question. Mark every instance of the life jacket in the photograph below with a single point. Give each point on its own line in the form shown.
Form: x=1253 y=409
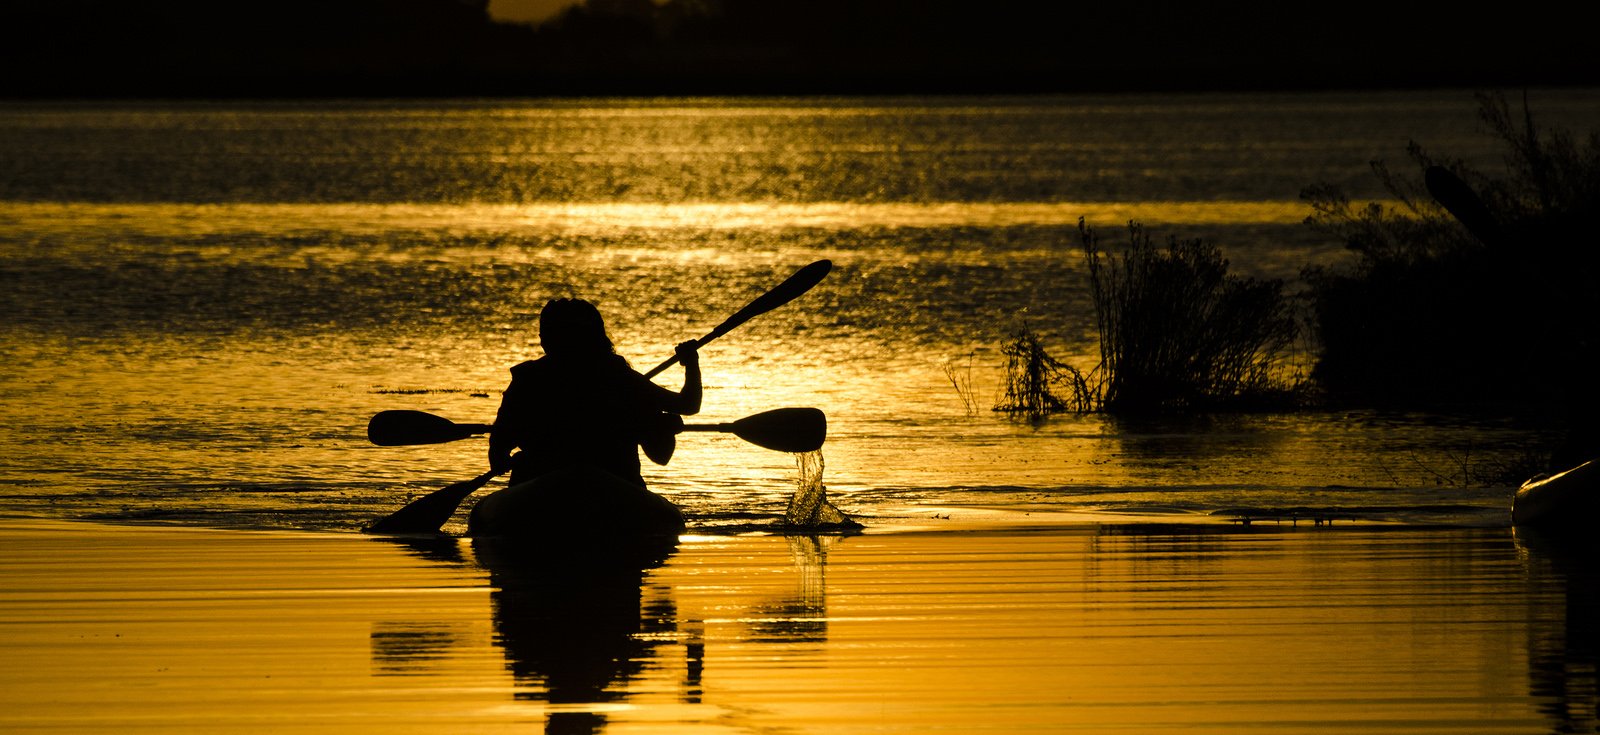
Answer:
x=565 y=411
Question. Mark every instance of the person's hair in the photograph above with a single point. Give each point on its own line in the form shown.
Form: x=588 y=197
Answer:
x=573 y=327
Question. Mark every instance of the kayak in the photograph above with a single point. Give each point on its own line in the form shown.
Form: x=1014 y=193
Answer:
x=1570 y=498
x=575 y=505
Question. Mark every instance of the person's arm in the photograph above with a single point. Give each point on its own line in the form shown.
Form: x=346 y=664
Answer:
x=684 y=402
x=503 y=437
x=658 y=436
x=689 y=398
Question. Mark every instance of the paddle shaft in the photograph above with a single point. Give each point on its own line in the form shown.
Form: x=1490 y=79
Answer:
x=783 y=293
x=463 y=431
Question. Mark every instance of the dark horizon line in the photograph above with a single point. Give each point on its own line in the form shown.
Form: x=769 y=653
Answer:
x=365 y=89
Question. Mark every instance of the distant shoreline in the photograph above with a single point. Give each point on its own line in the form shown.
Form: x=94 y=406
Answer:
x=295 y=90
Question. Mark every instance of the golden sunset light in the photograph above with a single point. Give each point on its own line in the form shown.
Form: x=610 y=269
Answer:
x=843 y=366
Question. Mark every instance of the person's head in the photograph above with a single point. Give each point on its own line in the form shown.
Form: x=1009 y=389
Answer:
x=573 y=327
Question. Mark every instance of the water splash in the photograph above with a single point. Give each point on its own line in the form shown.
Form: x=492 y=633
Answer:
x=809 y=507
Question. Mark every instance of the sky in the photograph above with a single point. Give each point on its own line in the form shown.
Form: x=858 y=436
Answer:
x=63 y=48
x=526 y=11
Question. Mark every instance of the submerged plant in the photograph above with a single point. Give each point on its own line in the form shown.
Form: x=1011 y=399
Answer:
x=1177 y=332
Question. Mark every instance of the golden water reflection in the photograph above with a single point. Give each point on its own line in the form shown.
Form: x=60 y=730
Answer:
x=966 y=629
x=1119 y=627
x=193 y=220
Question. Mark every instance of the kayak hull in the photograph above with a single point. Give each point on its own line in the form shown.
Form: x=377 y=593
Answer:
x=573 y=505
x=1567 y=499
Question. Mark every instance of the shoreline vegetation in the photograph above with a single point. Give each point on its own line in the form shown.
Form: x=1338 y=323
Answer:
x=456 y=48
x=1481 y=309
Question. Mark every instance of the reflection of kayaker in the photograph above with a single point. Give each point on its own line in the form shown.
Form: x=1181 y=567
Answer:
x=582 y=405
x=578 y=625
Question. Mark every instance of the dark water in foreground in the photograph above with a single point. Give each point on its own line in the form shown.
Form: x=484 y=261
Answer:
x=204 y=303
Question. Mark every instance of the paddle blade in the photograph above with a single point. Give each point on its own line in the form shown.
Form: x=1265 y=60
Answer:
x=404 y=428
x=430 y=512
x=792 y=288
x=1464 y=204
x=784 y=429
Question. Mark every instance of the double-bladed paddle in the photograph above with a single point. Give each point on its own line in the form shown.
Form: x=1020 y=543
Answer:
x=782 y=429
x=430 y=512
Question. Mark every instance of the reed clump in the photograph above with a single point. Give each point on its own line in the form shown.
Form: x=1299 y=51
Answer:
x=1496 y=309
x=1179 y=333
x=960 y=376
x=1038 y=384
x=1434 y=312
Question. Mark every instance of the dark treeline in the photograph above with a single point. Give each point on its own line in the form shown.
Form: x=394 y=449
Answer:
x=65 y=48
x=211 y=48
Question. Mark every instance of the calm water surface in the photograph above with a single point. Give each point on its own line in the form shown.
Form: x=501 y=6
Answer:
x=205 y=302
x=1110 y=630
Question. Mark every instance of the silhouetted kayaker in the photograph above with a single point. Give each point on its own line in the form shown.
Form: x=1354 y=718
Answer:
x=581 y=404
